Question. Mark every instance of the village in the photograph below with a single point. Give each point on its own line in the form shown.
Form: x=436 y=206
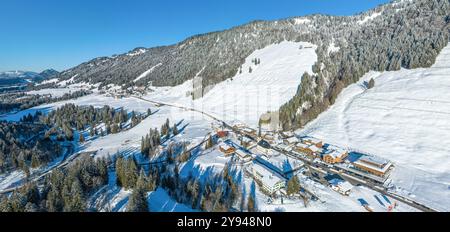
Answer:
x=273 y=158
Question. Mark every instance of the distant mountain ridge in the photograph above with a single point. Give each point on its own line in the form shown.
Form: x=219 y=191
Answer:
x=24 y=77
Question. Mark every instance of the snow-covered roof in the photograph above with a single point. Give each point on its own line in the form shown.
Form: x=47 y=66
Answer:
x=302 y=145
x=374 y=160
x=312 y=140
x=315 y=149
x=225 y=146
x=335 y=153
x=263 y=143
x=292 y=140
x=268 y=177
x=288 y=133
x=382 y=169
x=242 y=153
x=343 y=185
x=246 y=139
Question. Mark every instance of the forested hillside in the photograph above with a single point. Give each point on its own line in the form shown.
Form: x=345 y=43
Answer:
x=406 y=34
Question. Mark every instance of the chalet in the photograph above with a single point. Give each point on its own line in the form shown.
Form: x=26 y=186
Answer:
x=244 y=156
x=226 y=149
x=373 y=165
x=245 y=141
x=338 y=184
x=287 y=134
x=249 y=132
x=269 y=137
x=309 y=150
x=334 y=156
x=312 y=141
x=284 y=147
x=304 y=149
x=222 y=134
x=291 y=140
x=263 y=146
x=269 y=180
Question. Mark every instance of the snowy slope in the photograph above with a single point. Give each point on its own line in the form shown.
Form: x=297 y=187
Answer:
x=144 y=74
x=96 y=100
x=404 y=118
x=246 y=96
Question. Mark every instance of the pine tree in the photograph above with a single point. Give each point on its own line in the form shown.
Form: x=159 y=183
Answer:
x=293 y=185
x=108 y=128
x=131 y=173
x=371 y=83
x=114 y=128
x=175 y=129
x=76 y=202
x=138 y=201
x=209 y=143
x=142 y=181
x=251 y=207
x=68 y=132
x=30 y=207
x=92 y=130
x=81 y=138
x=120 y=171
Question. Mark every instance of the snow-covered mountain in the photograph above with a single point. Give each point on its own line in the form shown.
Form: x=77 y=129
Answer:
x=23 y=77
x=406 y=34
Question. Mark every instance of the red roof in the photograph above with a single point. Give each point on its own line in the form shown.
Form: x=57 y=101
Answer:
x=222 y=134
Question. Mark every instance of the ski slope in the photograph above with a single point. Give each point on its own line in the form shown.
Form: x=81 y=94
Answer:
x=246 y=96
x=404 y=118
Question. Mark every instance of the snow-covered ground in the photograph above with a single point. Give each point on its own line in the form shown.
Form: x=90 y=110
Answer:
x=329 y=200
x=404 y=118
x=369 y=17
x=206 y=164
x=96 y=100
x=160 y=201
x=54 y=92
x=246 y=96
x=129 y=142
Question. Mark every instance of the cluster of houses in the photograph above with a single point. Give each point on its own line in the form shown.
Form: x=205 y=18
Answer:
x=364 y=165
x=270 y=169
x=313 y=148
x=231 y=148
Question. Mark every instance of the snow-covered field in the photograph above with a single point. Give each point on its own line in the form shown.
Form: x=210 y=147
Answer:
x=54 y=92
x=329 y=200
x=160 y=201
x=246 y=96
x=196 y=127
x=96 y=100
x=404 y=118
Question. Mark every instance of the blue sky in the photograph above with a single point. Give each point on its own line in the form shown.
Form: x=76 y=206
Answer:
x=36 y=35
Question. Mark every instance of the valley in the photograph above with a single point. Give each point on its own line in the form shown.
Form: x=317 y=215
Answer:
x=306 y=114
